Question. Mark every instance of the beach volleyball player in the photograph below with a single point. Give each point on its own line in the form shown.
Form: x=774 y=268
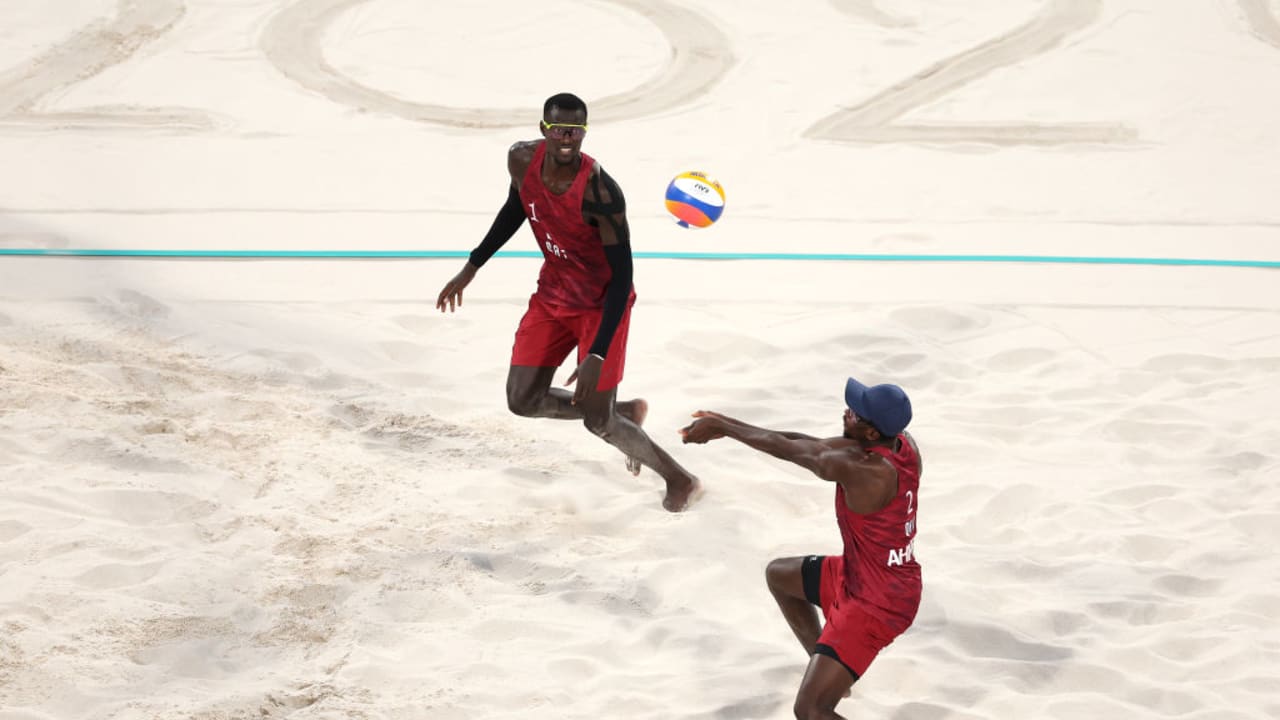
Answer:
x=869 y=594
x=584 y=296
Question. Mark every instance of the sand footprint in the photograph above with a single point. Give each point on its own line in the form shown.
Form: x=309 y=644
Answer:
x=110 y=576
x=565 y=670
x=718 y=349
x=11 y=529
x=1149 y=548
x=982 y=640
x=1187 y=585
x=941 y=319
x=1141 y=611
x=299 y=362
x=1019 y=360
x=763 y=706
x=137 y=306
x=1187 y=362
x=119 y=457
x=416 y=324
x=406 y=353
x=147 y=507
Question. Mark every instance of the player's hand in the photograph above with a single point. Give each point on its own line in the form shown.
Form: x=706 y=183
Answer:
x=587 y=376
x=451 y=295
x=708 y=426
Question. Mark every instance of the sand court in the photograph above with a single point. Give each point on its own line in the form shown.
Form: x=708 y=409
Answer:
x=291 y=488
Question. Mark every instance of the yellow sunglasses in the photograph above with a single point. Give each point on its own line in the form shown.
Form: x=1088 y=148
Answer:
x=565 y=130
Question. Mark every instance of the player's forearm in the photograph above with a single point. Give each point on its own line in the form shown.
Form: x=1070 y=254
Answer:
x=616 y=296
x=792 y=447
x=610 y=318
x=788 y=434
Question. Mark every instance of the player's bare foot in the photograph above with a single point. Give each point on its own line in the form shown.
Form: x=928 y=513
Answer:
x=635 y=411
x=682 y=496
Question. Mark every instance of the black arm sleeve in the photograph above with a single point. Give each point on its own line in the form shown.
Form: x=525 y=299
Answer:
x=508 y=221
x=617 y=294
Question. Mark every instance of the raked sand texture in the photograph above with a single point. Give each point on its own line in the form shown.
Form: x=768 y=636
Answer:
x=292 y=489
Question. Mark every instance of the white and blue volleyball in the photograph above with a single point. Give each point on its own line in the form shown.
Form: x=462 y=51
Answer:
x=695 y=200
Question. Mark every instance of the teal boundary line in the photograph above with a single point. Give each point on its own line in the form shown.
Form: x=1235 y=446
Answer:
x=830 y=257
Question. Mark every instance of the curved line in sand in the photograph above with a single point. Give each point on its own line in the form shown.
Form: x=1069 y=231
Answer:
x=867 y=10
x=873 y=120
x=700 y=57
x=1261 y=21
x=94 y=48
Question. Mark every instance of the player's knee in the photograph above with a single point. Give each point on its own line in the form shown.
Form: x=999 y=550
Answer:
x=808 y=708
x=778 y=572
x=521 y=405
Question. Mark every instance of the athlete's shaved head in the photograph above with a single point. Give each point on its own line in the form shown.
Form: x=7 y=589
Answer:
x=565 y=101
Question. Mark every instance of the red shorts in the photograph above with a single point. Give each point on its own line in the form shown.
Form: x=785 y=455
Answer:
x=548 y=332
x=853 y=635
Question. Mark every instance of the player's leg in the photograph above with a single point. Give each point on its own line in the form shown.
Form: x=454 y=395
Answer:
x=850 y=641
x=826 y=682
x=619 y=428
x=636 y=411
x=601 y=418
x=795 y=584
x=542 y=342
x=529 y=394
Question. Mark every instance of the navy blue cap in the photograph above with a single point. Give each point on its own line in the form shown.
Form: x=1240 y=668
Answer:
x=886 y=407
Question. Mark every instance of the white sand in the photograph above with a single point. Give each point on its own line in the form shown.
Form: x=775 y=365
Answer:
x=292 y=489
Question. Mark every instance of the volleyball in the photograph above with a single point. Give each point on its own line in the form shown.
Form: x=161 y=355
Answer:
x=695 y=200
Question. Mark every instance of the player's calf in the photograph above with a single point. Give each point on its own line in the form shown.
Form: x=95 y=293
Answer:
x=600 y=424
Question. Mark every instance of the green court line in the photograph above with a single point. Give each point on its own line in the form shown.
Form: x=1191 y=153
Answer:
x=829 y=257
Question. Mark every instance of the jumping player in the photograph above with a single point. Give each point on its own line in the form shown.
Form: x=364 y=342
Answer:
x=870 y=594
x=584 y=296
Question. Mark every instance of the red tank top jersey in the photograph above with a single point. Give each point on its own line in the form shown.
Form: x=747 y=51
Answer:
x=880 y=570
x=575 y=271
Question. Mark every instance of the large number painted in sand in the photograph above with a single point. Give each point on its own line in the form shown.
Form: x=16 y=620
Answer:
x=701 y=55
x=94 y=48
x=292 y=41
x=877 y=119
x=1261 y=21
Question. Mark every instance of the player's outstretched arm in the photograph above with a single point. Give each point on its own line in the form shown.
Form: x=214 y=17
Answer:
x=789 y=434
x=869 y=480
x=797 y=448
